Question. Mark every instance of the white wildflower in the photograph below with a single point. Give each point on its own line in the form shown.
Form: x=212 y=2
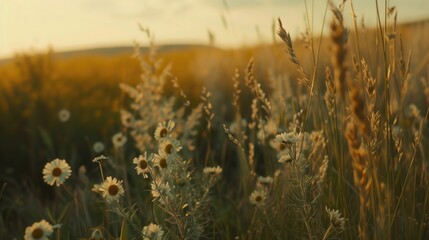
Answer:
x=119 y=140
x=258 y=197
x=335 y=218
x=98 y=147
x=111 y=189
x=163 y=130
x=64 y=115
x=142 y=164
x=161 y=161
x=170 y=147
x=39 y=231
x=152 y=232
x=126 y=118
x=56 y=172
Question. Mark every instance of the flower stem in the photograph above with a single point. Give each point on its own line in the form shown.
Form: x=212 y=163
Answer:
x=328 y=232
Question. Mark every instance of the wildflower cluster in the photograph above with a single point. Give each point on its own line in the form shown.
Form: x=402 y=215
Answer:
x=175 y=188
x=300 y=162
x=172 y=185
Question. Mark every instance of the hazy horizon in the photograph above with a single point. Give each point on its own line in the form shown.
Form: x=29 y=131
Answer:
x=80 y=24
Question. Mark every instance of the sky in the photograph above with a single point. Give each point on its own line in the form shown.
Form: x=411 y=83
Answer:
x=78 y=24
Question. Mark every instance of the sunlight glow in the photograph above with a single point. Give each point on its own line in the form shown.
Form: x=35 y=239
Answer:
x=67 y=25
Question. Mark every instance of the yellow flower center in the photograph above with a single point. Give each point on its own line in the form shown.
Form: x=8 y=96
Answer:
x=258 y=198
x=57 y=172
x=282 y=147
x=143 y=164
x=169 y=148
x=113 y=190
x=163 y=163
x=37 y=233
x=163 y=132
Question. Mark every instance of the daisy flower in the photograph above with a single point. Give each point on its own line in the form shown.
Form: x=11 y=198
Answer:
x=335 y=217
x=170 y=146
x=163 y=130
x=39 y=231
x=258 y=197
x=142 y=165
x=152 y=232
x=126 y=118
x=64 y=115
x=119 y=140
x=161 y=160
x=56 y=172
x=283 y=150
x=98 y=147
x=111 y=189
x=283 y=145
x=212 y=171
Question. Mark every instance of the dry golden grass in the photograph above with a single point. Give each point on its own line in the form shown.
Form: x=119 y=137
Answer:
x=351 y=117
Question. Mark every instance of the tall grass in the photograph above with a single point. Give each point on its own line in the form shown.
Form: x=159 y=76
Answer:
x=325 y=149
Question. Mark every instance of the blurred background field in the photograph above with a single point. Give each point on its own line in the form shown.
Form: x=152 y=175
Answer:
x=35 y=86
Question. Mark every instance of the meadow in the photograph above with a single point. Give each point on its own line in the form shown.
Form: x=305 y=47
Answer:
x=319 y=137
